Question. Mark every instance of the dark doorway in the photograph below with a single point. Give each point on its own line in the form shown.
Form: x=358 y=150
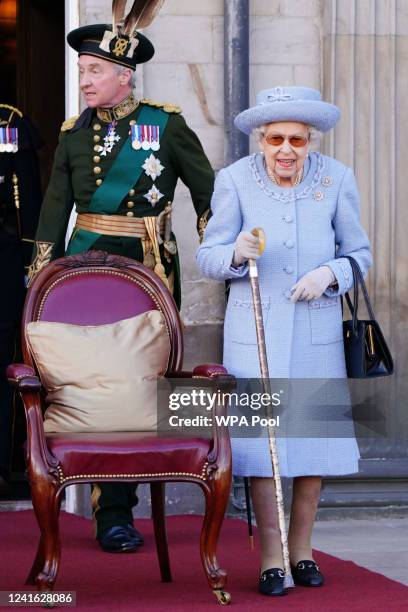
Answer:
x=32 y=69
x=40 y=71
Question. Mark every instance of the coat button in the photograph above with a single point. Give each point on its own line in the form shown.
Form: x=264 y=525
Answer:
x=96 y=127
x=130 y=204
x=289 y=244
x=96 y=138
x=130 y=214
x=288 y=269
x=97 y=170
x=132 y=192
x=96 y=159
x=288 y=218
x=99 y=182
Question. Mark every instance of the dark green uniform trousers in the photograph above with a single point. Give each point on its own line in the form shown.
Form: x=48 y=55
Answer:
x=112 y=505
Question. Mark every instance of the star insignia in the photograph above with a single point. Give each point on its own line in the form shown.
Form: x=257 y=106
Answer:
x=153 y=195
x=152 y=167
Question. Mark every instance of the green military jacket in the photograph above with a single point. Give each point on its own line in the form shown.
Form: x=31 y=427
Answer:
x=79 y=169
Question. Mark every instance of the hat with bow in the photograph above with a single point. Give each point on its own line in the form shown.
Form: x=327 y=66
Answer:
x=300 y=104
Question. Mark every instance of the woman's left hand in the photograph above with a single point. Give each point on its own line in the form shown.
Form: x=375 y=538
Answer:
x=313 y=284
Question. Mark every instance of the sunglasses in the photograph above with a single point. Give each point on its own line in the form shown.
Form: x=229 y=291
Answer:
x=295 y=141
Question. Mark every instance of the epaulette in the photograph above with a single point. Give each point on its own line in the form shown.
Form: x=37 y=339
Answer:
x=13 y=110
x=166 y=106
x=69 y=123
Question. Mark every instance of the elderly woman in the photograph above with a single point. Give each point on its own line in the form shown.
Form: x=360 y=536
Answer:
x=308 y=206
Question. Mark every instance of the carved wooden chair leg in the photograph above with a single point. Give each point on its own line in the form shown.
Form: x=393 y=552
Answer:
x=216 y=500
x=46 y=503
x=38 y=563
x=157 y=490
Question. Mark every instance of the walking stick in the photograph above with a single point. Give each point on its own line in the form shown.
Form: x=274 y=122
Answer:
x=263 y=361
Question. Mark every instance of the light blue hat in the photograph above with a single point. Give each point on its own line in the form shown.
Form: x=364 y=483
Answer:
x=301 y=104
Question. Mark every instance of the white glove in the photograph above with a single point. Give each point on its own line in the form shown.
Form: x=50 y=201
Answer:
x=246 y=247
x=313 y=284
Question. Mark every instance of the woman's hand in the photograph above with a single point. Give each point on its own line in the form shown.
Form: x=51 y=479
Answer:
x=246 y=247
x=313 y=284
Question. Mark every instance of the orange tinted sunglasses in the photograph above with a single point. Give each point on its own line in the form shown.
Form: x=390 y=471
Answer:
x=277 y=139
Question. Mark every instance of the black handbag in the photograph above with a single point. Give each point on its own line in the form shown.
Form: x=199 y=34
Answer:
x=366 y=351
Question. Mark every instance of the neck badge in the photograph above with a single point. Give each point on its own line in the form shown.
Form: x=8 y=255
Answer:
x=8 y=140
x=145 y=137
x=110 y=139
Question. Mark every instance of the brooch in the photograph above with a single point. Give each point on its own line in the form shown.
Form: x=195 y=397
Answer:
x=327 y=181
x=318 y=195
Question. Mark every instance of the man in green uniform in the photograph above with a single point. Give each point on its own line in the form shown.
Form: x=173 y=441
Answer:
x=119 y=162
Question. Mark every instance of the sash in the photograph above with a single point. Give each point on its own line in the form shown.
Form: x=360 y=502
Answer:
x=120 y=179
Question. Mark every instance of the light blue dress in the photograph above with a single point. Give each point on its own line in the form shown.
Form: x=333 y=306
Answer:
x=314 y=224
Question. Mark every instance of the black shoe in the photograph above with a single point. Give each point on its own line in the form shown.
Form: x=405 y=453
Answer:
x=118 y=539
x=307 y=573
x=271 y=582
x=135 y=534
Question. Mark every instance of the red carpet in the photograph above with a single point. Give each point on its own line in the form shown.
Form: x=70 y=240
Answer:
x=132 y=582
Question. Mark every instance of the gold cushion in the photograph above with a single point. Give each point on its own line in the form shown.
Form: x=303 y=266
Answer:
x=101 y=378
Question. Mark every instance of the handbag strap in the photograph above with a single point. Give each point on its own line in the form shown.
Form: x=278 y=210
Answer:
x=358 y=279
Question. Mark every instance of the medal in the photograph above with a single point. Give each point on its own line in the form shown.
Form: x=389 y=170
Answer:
x=110 y=139
x=136 y=144
x=145 y=141
x=8 y=140
x=155 y=143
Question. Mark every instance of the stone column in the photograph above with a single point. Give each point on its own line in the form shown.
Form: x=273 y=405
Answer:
x=365 y=52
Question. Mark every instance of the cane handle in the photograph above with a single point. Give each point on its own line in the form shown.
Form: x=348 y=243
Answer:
x=259 y=233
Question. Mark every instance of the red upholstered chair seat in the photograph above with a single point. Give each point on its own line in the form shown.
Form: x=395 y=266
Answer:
x=95 y=289
x=132 y=454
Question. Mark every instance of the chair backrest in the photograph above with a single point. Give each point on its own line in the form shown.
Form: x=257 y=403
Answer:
x=95 y=288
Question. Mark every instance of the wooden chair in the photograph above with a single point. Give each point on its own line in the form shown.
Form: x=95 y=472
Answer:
x=94 y=289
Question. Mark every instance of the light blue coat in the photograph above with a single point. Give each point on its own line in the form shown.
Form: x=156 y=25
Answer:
x=314 y=224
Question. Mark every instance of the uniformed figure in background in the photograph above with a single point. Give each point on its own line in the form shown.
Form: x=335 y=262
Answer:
x=20 y=202
x=20 y=181
x=120 y=162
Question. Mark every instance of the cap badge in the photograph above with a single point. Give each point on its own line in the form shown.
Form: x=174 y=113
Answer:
x=120 y=47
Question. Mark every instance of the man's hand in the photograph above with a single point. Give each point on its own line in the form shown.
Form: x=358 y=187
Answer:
x=246 y=247
x=313 y=284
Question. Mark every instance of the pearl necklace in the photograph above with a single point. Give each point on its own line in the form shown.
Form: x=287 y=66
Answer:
x=276 y=181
